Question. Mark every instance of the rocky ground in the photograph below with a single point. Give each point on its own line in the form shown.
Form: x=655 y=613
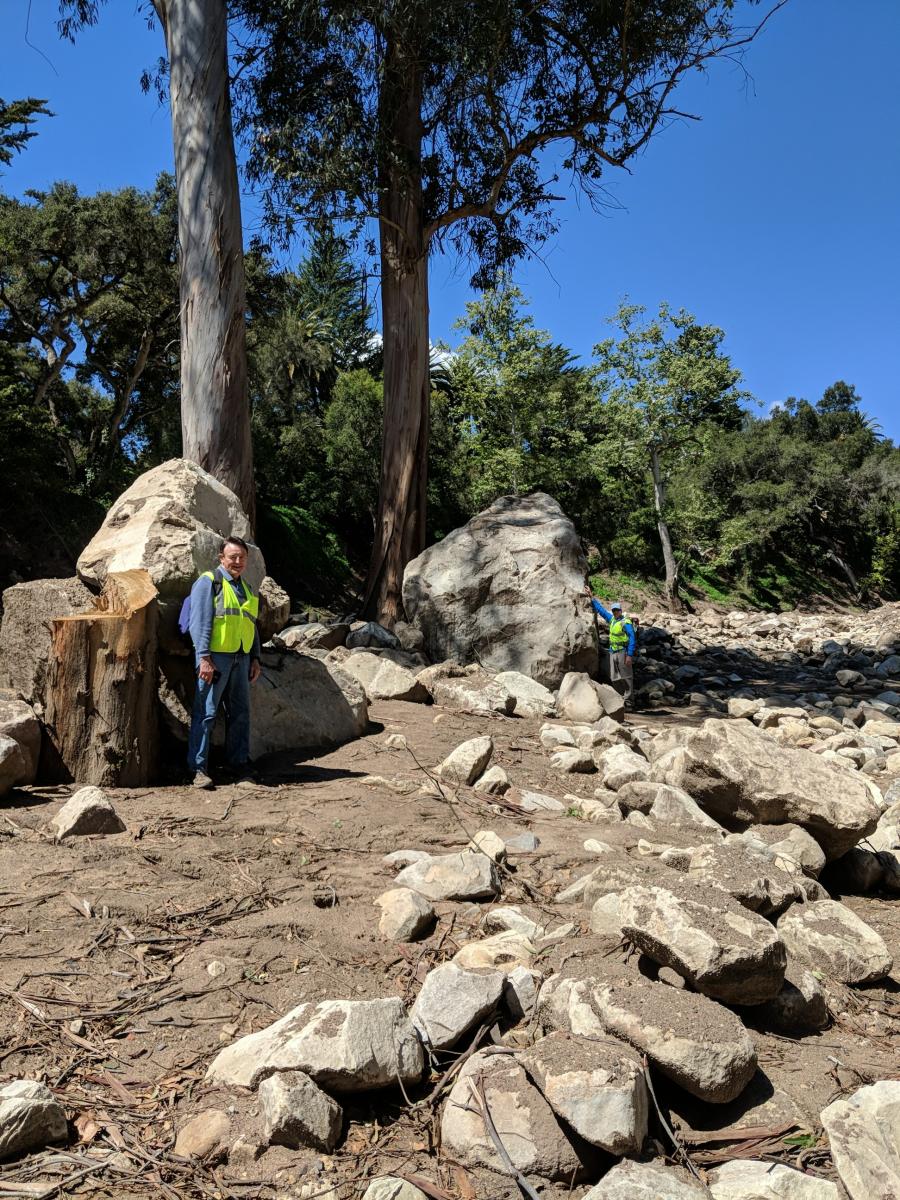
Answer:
x=630 y=944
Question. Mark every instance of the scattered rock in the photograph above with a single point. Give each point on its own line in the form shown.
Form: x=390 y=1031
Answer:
x=495 y=782
x=520 y=992
x=629 y=1180
x=384 y=679
x=745 y=1179
x=522 y=843
x=539 y=802
x=581 y=698
x=17 y=721
x=474 y=692
x=487 y=842
x=535 y=1141
x=572 y=761
x=30 y=1117
x=344 y=1045
x=453 y=1000
x=205 y=1136
x=752 y=879
x=864 y=1132
x=597 y=1088
x=464 y=876
x=694 y=1041
x=619 y=765
x=532 y=698
x=466 y=763
x=296 y=1113
x=831 y=938
x=391 y=1187
x=314 y=636
x=13 y=767
x=365 y=634
x=723 y=949
x=404 y=915
x=402 y=858
x=87 y=812
x=502 y=951
x=800 y=1006
x=736 y=771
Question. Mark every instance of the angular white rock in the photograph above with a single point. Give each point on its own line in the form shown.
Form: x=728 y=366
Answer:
x=532 y=698
x=463 y=765
x=296 y=1113
x=831 y=938
x=597 y=1088
x=864 y=1132
x=30 y=1117
x=453 y=1000
x=464 y=876
x=344 y=1045
x=629 y=1180
x=745 y=1179
x=87 y=812
x=404 y=914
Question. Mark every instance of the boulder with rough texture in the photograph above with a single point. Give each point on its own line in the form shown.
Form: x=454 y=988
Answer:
x=864 y=1132
x=30 y=1117
x=533 y=1138
x=697 y=1043
x=464 y=765
x=582 y=699
x=17 y=721
x=465 y=876
x=28 y=609
x=392 y=1187
x=619 y=765
x=296 y=1113
x=831 y=938
x=453 y=1000
x=371 y=635
x=502 y=951
x=300 y=701
x=571 y=761
x=13 y=767
x=751 y=878
x=800 y=1006
x=170 y=522
x=313 y=636
x=532 y=698
x=745 y=1179
x=384 y=679
x=473 y=691
x=87 y=812
x=274 y=608
x=204 y=1136
x=723 y=949
x=344 y=1045
x=597 y=1088
x=737 y=772
x=506 y=590
x=494 y=781
x=793 y=848
x=629 y=1180
x=404 y=915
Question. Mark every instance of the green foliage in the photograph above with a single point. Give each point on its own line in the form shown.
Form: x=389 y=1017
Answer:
x=303 y=553
x=16 y=119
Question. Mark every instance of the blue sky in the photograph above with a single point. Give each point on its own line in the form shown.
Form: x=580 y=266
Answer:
x=775 y=217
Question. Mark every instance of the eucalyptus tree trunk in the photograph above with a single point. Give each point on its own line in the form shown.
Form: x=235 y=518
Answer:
x=665 y=540
x=400 y=524
x=215 y=413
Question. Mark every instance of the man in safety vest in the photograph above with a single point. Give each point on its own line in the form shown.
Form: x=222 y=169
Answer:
x=223 y=629
x=621 y=644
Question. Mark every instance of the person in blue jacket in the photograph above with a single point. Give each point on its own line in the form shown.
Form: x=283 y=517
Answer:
x=621 y=643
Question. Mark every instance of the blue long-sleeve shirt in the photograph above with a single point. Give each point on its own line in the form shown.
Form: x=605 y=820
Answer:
x=202 y=605
x=609 y=618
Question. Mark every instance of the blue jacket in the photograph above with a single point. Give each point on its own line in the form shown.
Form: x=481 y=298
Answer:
x=609 y=618
x=202 y=613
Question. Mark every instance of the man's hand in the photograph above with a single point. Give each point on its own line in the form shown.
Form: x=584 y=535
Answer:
x=587 y=590
x=206 y=670
x=255 y=669
x=629 y=659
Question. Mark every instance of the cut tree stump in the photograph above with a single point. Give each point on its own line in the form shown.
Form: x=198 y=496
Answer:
x=102 y=715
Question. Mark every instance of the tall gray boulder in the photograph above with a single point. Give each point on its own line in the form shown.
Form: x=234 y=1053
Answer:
x=505 y=590
x=28 y=609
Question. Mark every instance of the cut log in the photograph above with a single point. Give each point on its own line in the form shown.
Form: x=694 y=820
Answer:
x=102 y=710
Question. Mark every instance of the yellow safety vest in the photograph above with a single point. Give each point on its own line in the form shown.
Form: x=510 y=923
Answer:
x=618 y=634
x=234 y=620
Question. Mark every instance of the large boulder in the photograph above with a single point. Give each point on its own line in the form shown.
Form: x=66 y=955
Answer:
x=299 y=702
x=28 y=609
x=171 y=522
x=738 y=773
x=864 y=1132
x=505 y=590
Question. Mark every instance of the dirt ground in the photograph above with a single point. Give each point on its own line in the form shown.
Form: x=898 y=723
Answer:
x=106 y=944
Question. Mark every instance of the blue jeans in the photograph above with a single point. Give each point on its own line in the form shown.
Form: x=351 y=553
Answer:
x=232 y=687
